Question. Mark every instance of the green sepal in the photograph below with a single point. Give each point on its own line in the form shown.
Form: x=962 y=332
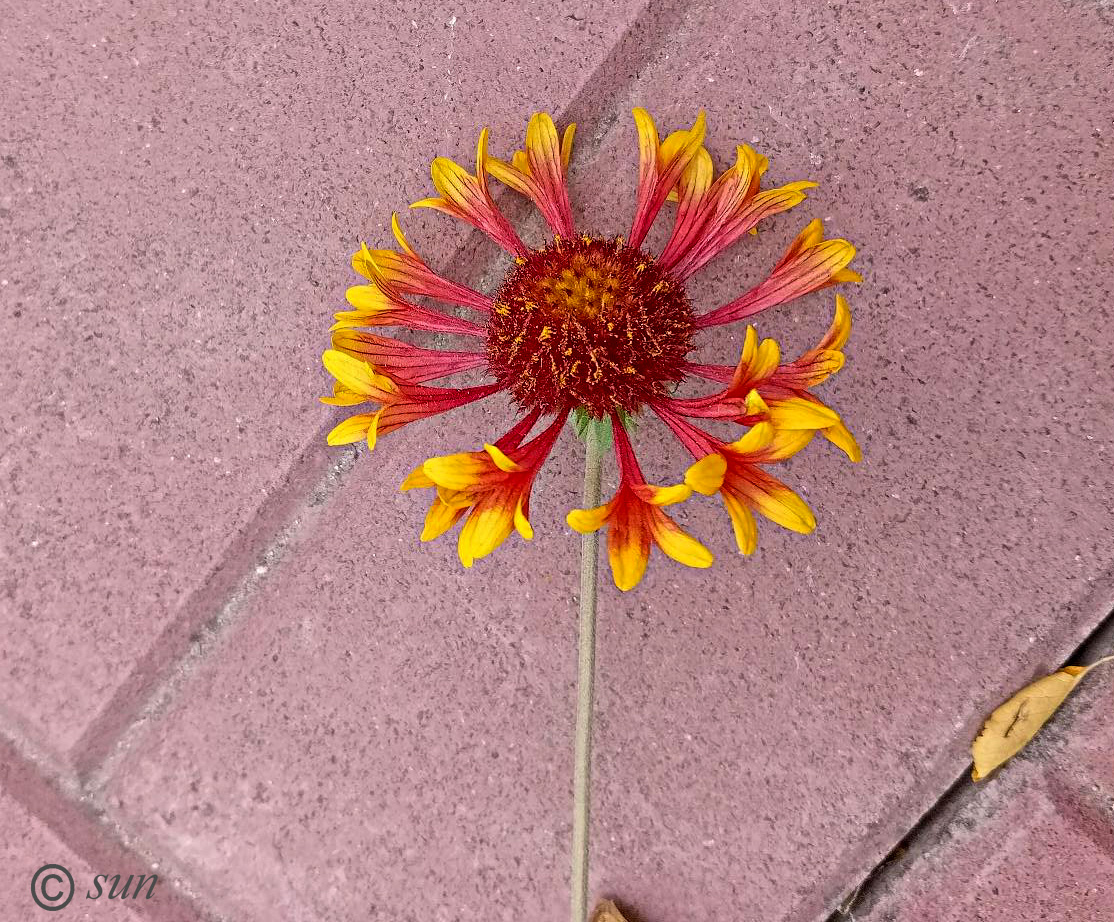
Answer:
x=582 y=419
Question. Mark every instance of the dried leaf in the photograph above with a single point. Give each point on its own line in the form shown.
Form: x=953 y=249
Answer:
x=1012 y=724
x=607 y=912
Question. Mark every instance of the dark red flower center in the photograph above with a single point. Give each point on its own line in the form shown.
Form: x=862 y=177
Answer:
x=589 y=322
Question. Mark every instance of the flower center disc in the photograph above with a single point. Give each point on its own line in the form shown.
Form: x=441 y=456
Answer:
x=588 y=322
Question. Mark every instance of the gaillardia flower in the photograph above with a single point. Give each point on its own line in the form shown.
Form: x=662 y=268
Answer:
x=604 y=328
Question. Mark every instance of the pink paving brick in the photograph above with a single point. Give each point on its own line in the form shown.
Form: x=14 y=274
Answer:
x=385 y=736
x=378 y=739
x=180 y=192
x=44 y=823
x=26 y=845
x=1029 y=863
x=1033 y=844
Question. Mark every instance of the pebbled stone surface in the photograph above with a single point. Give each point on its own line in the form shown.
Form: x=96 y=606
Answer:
x=180 y=189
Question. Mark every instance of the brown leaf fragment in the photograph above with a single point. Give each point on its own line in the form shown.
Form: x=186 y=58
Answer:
x=607 y=912
x=1016 y=721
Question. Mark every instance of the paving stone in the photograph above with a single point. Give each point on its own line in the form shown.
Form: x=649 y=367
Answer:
x=770 y=728
x=1028 y=864
x=26 y=845
x=1035 y=843
x=181 y=190
x=399 y=738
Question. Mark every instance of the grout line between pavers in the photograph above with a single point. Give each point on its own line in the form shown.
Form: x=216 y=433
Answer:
x=209 y=636
x=75 y=819
x=71 y=806
x=931 y=828
x=231 y=578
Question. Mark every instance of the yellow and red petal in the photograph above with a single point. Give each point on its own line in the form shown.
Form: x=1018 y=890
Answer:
x=414 y=402
x=373 y=429
x=769 y=496
x=353 y=429
x=522 y=520
x=343 y=397
x=538 y=172
x=585 y=521
x=501 y=461
x=753 y=442
x=692 y=195
x=810 y=264
x=742 y=523
x=402 y=403
x=758 y=361
x=566 y=144
x=634 y=526
x=819 y=363
x=741 y=400
x=661 y=164
x=662 y=496
x=635 y=521
x=514 y=175
x=406 y=273
x=812 y=368
x=706 y=475
x=374 y=307
x=801 y=413
x=547 y=168
x=678 y=544
x=417 y=479
x=440 y=518
x=466 y=196
x=840 y=330
x=730 y=208
x=494 y=484
x=840 y=436
x=456 y=499
x=358 y=377
x=628 y=553
x=488 y=525
x=784 y=445
x=403 y=361
x=469 y=470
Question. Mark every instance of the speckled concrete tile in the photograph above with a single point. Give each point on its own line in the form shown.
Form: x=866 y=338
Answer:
x=26 y=845
x=179 y=190
x=1036 y=844
x=768 y=730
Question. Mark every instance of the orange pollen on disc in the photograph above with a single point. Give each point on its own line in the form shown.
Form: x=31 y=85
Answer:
x=588 y=322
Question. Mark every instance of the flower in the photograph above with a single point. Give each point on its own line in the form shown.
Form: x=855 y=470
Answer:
x=599 y=326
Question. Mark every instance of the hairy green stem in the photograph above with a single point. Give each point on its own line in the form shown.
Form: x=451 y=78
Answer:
x=594 y=442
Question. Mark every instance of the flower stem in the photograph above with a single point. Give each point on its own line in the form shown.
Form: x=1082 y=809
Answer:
x=594 y=439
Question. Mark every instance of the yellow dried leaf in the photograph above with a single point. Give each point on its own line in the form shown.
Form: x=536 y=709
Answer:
x=607 y=912
x=1012 y=724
